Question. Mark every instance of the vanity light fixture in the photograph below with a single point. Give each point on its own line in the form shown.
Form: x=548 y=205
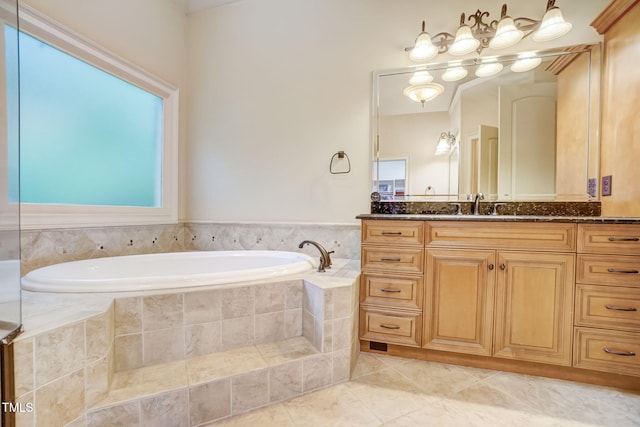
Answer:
x=423 y=49
x=525 y=62
x=445 y=143
x=424 y=92
x=497 y=34
x=553 y=24
x=507 y=34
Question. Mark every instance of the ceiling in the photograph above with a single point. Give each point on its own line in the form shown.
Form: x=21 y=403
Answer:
x=191 y=6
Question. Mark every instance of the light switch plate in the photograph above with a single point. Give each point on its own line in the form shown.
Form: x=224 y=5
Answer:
x=606 y=185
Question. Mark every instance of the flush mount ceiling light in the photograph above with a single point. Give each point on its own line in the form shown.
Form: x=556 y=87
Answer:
x=497 y=34
x=424 y=92
x=525 y=62
x=445 y=143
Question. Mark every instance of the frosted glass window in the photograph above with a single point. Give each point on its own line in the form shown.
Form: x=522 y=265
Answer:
x=87 y=137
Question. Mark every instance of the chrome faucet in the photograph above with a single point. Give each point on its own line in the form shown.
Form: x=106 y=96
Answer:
x=475 y=208
x=325 y=257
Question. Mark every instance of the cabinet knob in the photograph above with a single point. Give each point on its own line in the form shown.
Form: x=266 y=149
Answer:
x=490 y=266
x=502 y=266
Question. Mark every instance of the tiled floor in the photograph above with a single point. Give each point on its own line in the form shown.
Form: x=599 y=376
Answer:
x=391 y=391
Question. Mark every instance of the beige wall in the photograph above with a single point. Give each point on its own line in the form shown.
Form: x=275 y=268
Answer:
x=275 y=88
x=620 y=151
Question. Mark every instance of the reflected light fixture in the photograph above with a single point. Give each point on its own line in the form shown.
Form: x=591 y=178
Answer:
x=525 y=62
x=420 y=77
x=489 y=67
x=445 y=143
x=455 y=73
x=424 y=92
x=477 y=34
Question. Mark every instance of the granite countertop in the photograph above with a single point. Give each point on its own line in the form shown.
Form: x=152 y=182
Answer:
x=504 y=218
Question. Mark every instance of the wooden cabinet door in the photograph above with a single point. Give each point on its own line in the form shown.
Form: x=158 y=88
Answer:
x=534 y=307
x=459 y=294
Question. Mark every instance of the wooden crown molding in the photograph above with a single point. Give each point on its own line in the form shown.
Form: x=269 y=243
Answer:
x=612 y=14
x=561 y=62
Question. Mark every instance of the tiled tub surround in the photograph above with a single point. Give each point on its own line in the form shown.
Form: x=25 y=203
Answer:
x=185 y=357
x=52 y=246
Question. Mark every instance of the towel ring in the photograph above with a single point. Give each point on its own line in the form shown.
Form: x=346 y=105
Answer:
x=340 y=155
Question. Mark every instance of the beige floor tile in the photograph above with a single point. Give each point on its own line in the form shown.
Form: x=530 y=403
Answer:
x=387 y=394
x=451 y=413
x=569 y=401
x=439 y=379
x=335 y=406
x=368 y=363
x=271 y=416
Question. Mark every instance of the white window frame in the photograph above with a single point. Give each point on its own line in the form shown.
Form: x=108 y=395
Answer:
x=36 y=216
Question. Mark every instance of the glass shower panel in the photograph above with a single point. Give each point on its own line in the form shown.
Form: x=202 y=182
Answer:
x=10 y=316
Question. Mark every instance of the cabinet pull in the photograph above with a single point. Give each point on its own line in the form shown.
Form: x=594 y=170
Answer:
x=612 y=307
x=502 y=266
x=490 y=266
x=391 y=233
x=619 y=353
x=389 y=326
x=615 y=270
x=390 y=259
x=393 y=291
x=624 y=239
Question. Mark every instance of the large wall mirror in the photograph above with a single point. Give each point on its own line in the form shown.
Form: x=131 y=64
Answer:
x=514 y=127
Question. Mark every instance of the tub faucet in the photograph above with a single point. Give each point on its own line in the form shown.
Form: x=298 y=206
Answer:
x=325 y=257
x=475 y=208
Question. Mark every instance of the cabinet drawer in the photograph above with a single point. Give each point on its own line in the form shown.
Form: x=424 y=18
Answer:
x=393 y=232
x=608 y=307
x=609 y=351
x=614 y=270
x=530 y=236
x=395 y=260
x=396 y=291
x=390 y=326
x=609 y=239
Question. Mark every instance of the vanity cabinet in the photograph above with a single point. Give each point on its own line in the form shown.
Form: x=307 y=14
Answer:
x=391 y=283
x=558 y=299
x=607 y=305
x=511 y=301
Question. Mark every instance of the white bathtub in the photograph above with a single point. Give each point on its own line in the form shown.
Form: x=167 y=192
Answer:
x=165 y=271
